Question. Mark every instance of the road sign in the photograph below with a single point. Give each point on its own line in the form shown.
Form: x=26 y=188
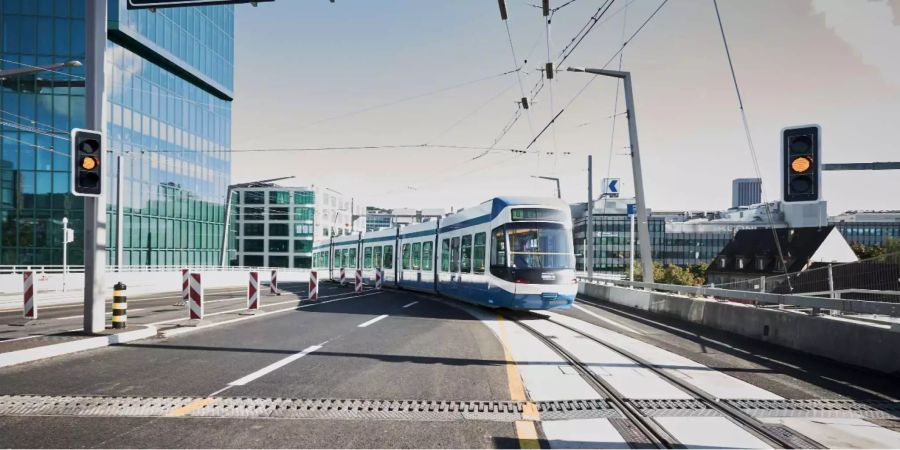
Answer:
x=611 y=187
x=632 y=209
x=69 y=235
x=146 y=4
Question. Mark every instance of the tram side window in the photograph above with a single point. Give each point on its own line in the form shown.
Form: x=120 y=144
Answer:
x=417 y=256
x=388 y=256
x=445 y=255
x=367 y=258
x=454 y=254
x=427 y=255
x=406 y=255
x=466 y=259
x=353 y=262
x=478 y=253
x=345 y=257
x=376 y=257
x=498 y=248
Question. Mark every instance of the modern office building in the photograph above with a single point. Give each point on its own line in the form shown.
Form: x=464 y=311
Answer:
x=380 y=218
x=868 y=227
x=169 y=81
x=275 y=226
x=746 y=192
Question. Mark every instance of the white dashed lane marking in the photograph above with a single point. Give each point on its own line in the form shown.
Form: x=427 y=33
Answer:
x=370 y=322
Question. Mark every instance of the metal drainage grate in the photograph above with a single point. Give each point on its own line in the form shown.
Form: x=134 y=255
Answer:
x=240 y=407
x=871 y=409
x=673 y=408
x=876 y=409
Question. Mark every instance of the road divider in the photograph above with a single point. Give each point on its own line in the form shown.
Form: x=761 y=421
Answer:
x=253 y=292
x=28 y=291
x=185 y=287
x=48 y=351
x=358 y=285
x=119 y=306
x=273 y=283
x=195 y=312
x=313 y=286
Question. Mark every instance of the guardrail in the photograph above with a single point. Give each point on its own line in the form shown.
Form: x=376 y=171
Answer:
x=846 y=306
x=16 y=269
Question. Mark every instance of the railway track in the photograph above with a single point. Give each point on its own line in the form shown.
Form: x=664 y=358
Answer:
x=774 y=436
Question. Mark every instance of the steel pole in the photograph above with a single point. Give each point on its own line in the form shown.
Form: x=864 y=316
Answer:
x=120 y=212
x=224 y=254
x=65 y=245
x=589 y=222
x=631 y=249
x=94 y=207
x=643 y=224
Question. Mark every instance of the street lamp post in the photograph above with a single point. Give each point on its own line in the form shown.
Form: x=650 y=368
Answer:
x=558 y=191
x=643 y=223
x=230 y=191
x=31 y=70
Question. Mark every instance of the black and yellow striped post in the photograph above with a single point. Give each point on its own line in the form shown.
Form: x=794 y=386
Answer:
x=119 y=306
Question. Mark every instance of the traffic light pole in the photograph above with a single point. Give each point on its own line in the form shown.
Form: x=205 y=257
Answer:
x=642 y=219
x=95 y=207
x=589 y=223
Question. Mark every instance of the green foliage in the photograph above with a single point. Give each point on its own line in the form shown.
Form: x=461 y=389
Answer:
x=888 y=253
x=694 y=275
x=864 y=251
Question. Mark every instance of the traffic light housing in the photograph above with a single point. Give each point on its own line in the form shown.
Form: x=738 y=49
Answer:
x=801 y=150
x=87 y=163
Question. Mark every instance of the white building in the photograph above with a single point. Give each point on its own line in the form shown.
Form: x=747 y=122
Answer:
x=274 y=226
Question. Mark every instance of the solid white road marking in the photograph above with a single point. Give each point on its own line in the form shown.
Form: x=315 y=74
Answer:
x=274 y=366
x=609 y=321
x=370 y=322
x=410 y=304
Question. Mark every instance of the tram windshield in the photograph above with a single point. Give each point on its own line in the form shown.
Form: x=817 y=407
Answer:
x=540 y=246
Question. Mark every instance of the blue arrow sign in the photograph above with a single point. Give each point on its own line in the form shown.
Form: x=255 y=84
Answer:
x=632 y=209
x=613 y=186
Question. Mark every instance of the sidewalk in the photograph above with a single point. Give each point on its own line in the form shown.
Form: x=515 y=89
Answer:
x=58 y=329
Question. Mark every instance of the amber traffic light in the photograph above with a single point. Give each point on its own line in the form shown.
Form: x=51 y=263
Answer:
x=87 y=157
x=801 y=148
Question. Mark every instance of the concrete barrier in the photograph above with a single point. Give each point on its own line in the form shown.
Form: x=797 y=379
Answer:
x=864 y=345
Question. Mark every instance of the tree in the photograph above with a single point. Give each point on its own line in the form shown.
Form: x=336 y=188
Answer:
x=672 y=274
x=864 y=251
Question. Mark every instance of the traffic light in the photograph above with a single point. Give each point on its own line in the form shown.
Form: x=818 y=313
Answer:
x=87 y=163
x=801 y=163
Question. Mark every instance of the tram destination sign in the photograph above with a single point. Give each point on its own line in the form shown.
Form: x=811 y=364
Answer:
x=147 y=4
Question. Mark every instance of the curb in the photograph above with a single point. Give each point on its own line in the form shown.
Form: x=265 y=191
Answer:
x=65 y=348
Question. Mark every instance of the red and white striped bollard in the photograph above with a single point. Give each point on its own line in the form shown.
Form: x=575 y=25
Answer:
x=343 y=277
x=196 y=297
x=379 y=278
x=253 y=291
x=28 y=291
x=273 y=284
x=358 y=286
x=313 y=286
x=185 y=286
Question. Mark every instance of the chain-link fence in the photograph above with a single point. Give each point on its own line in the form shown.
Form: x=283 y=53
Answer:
x=873 y=279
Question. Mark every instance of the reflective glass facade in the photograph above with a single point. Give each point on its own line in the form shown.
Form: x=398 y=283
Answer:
x=169 y=76
x=612 y=237
x=274 y=226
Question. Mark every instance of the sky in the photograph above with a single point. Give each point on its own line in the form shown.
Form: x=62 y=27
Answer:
x=313 y=74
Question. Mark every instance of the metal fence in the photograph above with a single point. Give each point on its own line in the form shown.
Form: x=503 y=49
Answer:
x=872 y=279
x=49 y=269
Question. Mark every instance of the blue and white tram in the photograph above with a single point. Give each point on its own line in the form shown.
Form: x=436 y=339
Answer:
x=506 y=253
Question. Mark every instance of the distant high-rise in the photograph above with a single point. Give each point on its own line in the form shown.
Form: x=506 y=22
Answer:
x=746 y=191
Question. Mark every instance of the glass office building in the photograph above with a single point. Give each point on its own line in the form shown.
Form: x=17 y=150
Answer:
x=169 y=81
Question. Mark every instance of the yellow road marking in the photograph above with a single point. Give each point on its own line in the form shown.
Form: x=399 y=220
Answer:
x=190 y=407
x=527 y=434
x=525 y=429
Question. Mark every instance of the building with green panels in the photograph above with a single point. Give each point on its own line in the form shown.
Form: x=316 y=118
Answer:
x=275 y=226
x=169 y=78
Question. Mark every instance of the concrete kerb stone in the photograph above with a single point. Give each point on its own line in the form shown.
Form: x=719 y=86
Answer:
x=48 y=351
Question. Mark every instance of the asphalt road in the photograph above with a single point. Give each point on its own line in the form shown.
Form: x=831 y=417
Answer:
x=421 y=350
x=378 y=345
